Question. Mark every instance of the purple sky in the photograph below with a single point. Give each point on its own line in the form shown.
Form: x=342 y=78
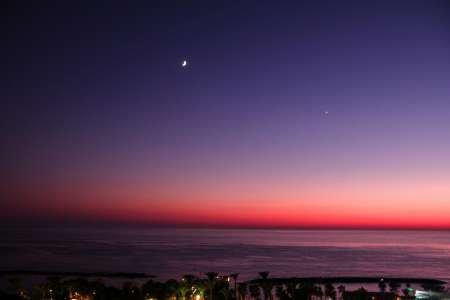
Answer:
x=99 y=119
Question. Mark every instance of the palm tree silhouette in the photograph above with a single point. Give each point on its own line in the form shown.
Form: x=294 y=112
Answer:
x=341 y=290
x=266 y=285
x=199 y=289
x=255 y=291
x=317 y=291
x=183 y=290
x=211 y=282
x=235 y=276
x=242 y=291
x=224 y=289
x=330 y=291
x=306 y=291
x=171 y=289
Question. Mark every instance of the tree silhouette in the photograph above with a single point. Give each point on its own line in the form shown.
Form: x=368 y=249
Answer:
x=171 y=289
x=211 y=283
x=17 y=288
x=317 y=291
x=235 y=277
x=394 y=286
x=341 y=289
x=330 y=291
x=266 y=285
x=131 y=291
x=255 y=291
x=154 y=289
x=183 y=290
x=242 y=291
x=223 y=288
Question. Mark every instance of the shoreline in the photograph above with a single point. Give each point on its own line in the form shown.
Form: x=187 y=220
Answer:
x=280 y=280
x=355 y=279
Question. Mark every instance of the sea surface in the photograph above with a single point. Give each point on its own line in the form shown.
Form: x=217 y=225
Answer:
x=170 y=253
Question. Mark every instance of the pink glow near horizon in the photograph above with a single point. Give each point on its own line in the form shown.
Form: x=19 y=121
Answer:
x=376 y=203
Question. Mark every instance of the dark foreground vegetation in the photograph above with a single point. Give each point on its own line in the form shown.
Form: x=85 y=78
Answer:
x=211 y=286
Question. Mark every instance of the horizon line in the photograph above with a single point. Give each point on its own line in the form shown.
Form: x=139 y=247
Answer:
x=216 y=226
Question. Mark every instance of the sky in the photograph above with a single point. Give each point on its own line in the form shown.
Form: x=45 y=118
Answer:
x=302 y=114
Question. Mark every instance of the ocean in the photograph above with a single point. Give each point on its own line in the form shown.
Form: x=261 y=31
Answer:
x=171 y=253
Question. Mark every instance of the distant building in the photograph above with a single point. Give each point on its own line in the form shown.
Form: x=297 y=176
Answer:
x=363 y=294
x=429 y=295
